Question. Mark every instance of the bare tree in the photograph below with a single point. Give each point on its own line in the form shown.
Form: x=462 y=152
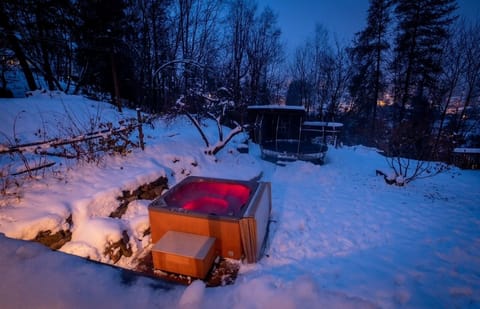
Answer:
x=46 y=38
x=321 y=65
x=448 y=90
x=302 y=81
x=263 y=51
x=152 y=50
x=471 y=79
x=8 y=29
x=196 y=38
x=336 y=83
x=239 y=21
x=214 y=107
x=321 y=73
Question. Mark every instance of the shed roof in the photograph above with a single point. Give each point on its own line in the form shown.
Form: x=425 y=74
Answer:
x=277 y=108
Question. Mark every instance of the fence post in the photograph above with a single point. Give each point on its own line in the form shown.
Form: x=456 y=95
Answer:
x=140 y=129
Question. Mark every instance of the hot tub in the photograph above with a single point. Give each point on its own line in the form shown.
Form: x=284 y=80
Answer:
x=236 y=213
x=210 y=196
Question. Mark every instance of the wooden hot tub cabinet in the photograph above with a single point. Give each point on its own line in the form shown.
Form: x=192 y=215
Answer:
x=238 y=234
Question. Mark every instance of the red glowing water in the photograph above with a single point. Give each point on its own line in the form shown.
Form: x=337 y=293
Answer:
x=221 y=198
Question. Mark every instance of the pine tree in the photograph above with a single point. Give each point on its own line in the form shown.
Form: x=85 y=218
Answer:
x=423 y=25
x=369 y=58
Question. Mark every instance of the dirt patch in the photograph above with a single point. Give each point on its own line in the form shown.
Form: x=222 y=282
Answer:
x=119 y=248
x=149 y=191
x=57 y=240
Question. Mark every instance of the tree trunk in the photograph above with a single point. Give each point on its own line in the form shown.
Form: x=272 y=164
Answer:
x=116 y=88
x=17 y=49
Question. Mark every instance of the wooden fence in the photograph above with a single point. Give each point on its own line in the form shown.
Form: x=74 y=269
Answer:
x=466 y=158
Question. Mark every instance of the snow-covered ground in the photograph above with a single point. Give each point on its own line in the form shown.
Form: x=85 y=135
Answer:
x=339 y=237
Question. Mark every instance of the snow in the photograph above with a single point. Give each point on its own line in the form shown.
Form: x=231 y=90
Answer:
x=192 y=297
x=339 y=236
x=466 y=150
x=323 y=123
x=276 y=106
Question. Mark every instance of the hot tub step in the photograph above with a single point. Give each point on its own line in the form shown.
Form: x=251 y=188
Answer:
x=184 y=253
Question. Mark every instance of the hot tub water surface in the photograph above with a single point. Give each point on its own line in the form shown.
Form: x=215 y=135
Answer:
x=214 y=198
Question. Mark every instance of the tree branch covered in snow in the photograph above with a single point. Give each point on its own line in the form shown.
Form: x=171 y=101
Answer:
x=196 y=122
x=176 y=61
x=221 y=143
x=212 y=107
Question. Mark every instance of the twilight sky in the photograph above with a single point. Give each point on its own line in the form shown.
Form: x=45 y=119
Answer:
x=343 y=18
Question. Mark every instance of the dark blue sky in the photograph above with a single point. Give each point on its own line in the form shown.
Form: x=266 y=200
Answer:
x=342 y=18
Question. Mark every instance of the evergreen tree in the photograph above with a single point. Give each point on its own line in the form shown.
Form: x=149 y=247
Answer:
x=369 y=57
x=423 y=26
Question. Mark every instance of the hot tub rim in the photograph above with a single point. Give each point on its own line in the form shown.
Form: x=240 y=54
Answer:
x=160 y=203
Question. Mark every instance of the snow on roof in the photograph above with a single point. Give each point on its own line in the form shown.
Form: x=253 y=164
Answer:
x=467 y=150
x=323 y=124
x=279 y=107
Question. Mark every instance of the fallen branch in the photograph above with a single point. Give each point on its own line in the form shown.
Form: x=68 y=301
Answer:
x=36 y=147
x=29 y=170
x=58 y=154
